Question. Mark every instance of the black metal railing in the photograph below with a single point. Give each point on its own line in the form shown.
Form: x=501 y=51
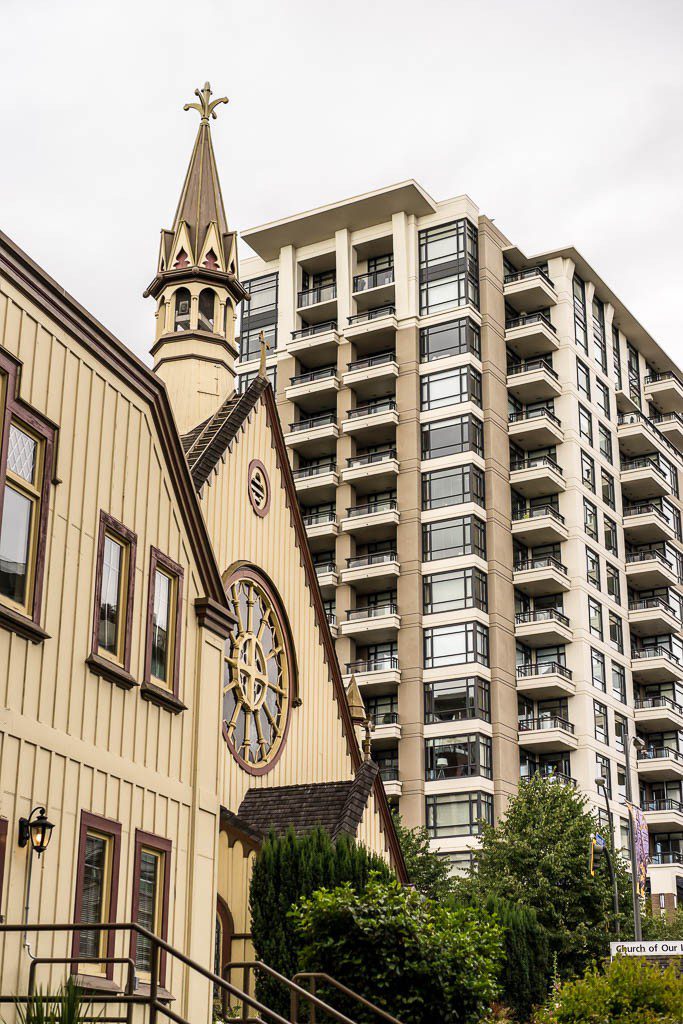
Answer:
x=628 y=465
x=672 y=857
x=313 y=329
x=371 y=314
x=655 y=378
x=377 y=558
x=640 y=508
x=371 y=458
x=646 y=603
x=529 y=366
x=543 y=668
x=534 y=414
x=384 y=718
x=546 y=723
x=629 y=419
x=305 y=472
x=653 y=703
x=551 y=774
x=372 y=611
x=526 y=275
x=316 y=518
x=540 y=562
x=324 y=567
x=372 y=408
x=375 y=279
x=381 y=663
x=521 y=514
x=313 y=296
x=528 y=319
x=323 y=420
x=382 y=505
x=633 y=557
x=314 y=977
x=388 y=774
x=656 y=753
x=381 y=359
x=667 y=804
x=326 y=373
x=535 y=462
x=542 y=615
x=648 y=653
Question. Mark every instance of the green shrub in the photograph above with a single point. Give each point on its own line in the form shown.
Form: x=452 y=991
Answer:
x=629 y=991
x=526 y=967
x=66 y=1007
x=418 y=960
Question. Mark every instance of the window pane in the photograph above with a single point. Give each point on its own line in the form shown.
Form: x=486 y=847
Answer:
x=21 y=454
x=110 y=595
x=15 y=540
x=160 y=624
x=93 y=899
x=147 y=907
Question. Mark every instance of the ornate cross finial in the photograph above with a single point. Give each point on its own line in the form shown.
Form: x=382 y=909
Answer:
x=367 y=741
x=206 y=106
x=264 y=349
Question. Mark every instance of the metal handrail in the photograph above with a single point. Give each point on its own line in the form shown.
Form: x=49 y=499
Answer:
x=371 y=408
x=654 y=652
x=383 y=505
x=629 y=419
x=312 y=296
x=643 y=463
x=384 y=718
x=379 y=664
x=540 y=562
x=640 y=508
x=542 y=615
x=327 y=372
x=654 y=378
x=667 y=804
x=323 y=567
x=325 y=419
x=308 y=332
x=645 y=556
x=551 y=722
x=534 y=414
x=529 y=318
x=305 y=471
x=371 y=314
x=519 y=515
x=372 y=457
x=314 y=976
x=650 y=753
x=373 y=279
x=652 y=602
x=543 y=668
x=670 y=857
x=528 y=365
x=296 y=991
x=388 y=773
x=315 y=518
x=372 y=611
x=381 y=359
x=524 y=275
x=377 y=558
x=534 y=462
x=650 y=703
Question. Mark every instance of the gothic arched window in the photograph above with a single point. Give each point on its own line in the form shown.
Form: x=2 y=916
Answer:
x=181 y=319
x=207 y=309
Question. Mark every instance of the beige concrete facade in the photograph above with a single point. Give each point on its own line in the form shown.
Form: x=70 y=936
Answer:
x=581 y=613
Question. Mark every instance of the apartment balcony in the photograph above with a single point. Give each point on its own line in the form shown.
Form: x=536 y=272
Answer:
x=531 y=335
x=644 y=523
x=374 y=328
x=655 y=665
x=665 y=391
x=373 y=376
x=539 y=428
x=369 y=572
x=374 y=289
x=647 y=570
x=663 y=815
x=375 y=471
x=547 y=734
x=317 y=344
x=306 y=389
x=373 y=520
x=539 y=576
x=657 y=714
x=660 y=764
x=536 y=476
x=380 y=418
x=541 y=525
x=670 y=426
x=549 y=773
x=375 y=676
x=392 y=783
x=386 y=729
x=332 y=623
x=315 y=435
x=533 y=381
x=545 y=627
x=529 y=290
x=326 y=574
x=545 y=679
x=639 y=436
x=651 y=616
x=320 y=524
x=372 y=623
x=642 y=479
x=317 y=305
x=317 y=483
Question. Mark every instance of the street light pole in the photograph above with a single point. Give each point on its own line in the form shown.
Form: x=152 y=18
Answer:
x=602 y=784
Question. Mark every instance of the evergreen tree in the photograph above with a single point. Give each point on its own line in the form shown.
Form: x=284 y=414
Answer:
x=428 y=872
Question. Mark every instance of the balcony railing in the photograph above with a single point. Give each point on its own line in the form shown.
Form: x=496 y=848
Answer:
x=631 y=418
x=305 y=472
x=372 y=458
x=526 y=275
x=540 y=562
x=542 y=615
x=326 y=373
x=388 y=774
x=372 y=611
x=521 y=514
x=640 y=508
x=543 y=668
x=316 y=518
x=529 y=365
x=380 y=663
x=633 y=557
x=312 y=296
x=534 y=414
x=652 y=703
x=544 y=724
x=672 y=857
x=378 y=558
x=381 y=359
x=654 y=378
x=321 y=568
x=372 y=408
x=653 y=652
x=380 y=718
x=331 y=618
x=375 y=279
x=667 y=804
x=383 y=505
x=655 y=753
x=644 y=463
x=644 y=603
x=308 y=332
x=545 y=773
x=371 y=314
x=528 y=319
x=536 y=462
x=668 y=417
x=323 y=420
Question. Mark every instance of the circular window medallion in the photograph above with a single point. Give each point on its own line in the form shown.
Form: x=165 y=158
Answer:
x=257 y=668
x=259 y=487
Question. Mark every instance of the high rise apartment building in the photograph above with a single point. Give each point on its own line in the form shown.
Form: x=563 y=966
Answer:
x=487 y=450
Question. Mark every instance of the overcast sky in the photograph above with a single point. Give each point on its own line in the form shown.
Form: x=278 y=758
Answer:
x=564 y=122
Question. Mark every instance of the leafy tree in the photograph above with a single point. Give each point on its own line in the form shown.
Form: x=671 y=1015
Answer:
x=630 y=991
x=287 y=868
x=428 y=872
x=538 y=857
x=409 y=955
x=662 y=926
x=526 y=966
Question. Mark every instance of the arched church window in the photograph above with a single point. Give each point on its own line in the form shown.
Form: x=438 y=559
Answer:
x=207 y=308
x=181 y=320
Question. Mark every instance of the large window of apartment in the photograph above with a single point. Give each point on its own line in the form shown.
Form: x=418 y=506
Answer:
x=456 y=700
x=452 y=591
x=449 y=266
x=604 y=771
x=97 y=882
x=599 y=339
x=605 y=442
x=607 y=488
x=593 y=568
x=600 y=721
x=619 y=682
x=454 y=338
x=457 y=757
x=613 y=582
x=583 y=379
x=450 y=387
x=590 y=519
x=114 y=585
x=620 y=732
x=151 y=878
x=450 y=538
x=453 y=436
x=257 y=314
x=616 y=631
x=457 y=814
x=588 y=471
x=602 y=396
x=585 y=425
x=616 y=357
x=633 y=374
x=453 y=486
x=580 y=331
x=611 y=535
x=456 y=645
x=598 y=670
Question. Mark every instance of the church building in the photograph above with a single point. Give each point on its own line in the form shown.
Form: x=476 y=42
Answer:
x=169 y=688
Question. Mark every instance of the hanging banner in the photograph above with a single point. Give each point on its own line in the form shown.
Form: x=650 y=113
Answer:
x=641 y=836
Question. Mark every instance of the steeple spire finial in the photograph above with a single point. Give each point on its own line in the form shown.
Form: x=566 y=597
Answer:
x=262 y=372
x=206 y=107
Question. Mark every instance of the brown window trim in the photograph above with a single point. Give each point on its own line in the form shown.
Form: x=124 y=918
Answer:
x=164 y=846
x=109 y=828
x=3 y=848
x=115 y=673
x=169 y=698
x=27 y=626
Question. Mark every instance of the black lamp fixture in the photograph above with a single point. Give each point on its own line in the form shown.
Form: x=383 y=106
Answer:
x=36 y=829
